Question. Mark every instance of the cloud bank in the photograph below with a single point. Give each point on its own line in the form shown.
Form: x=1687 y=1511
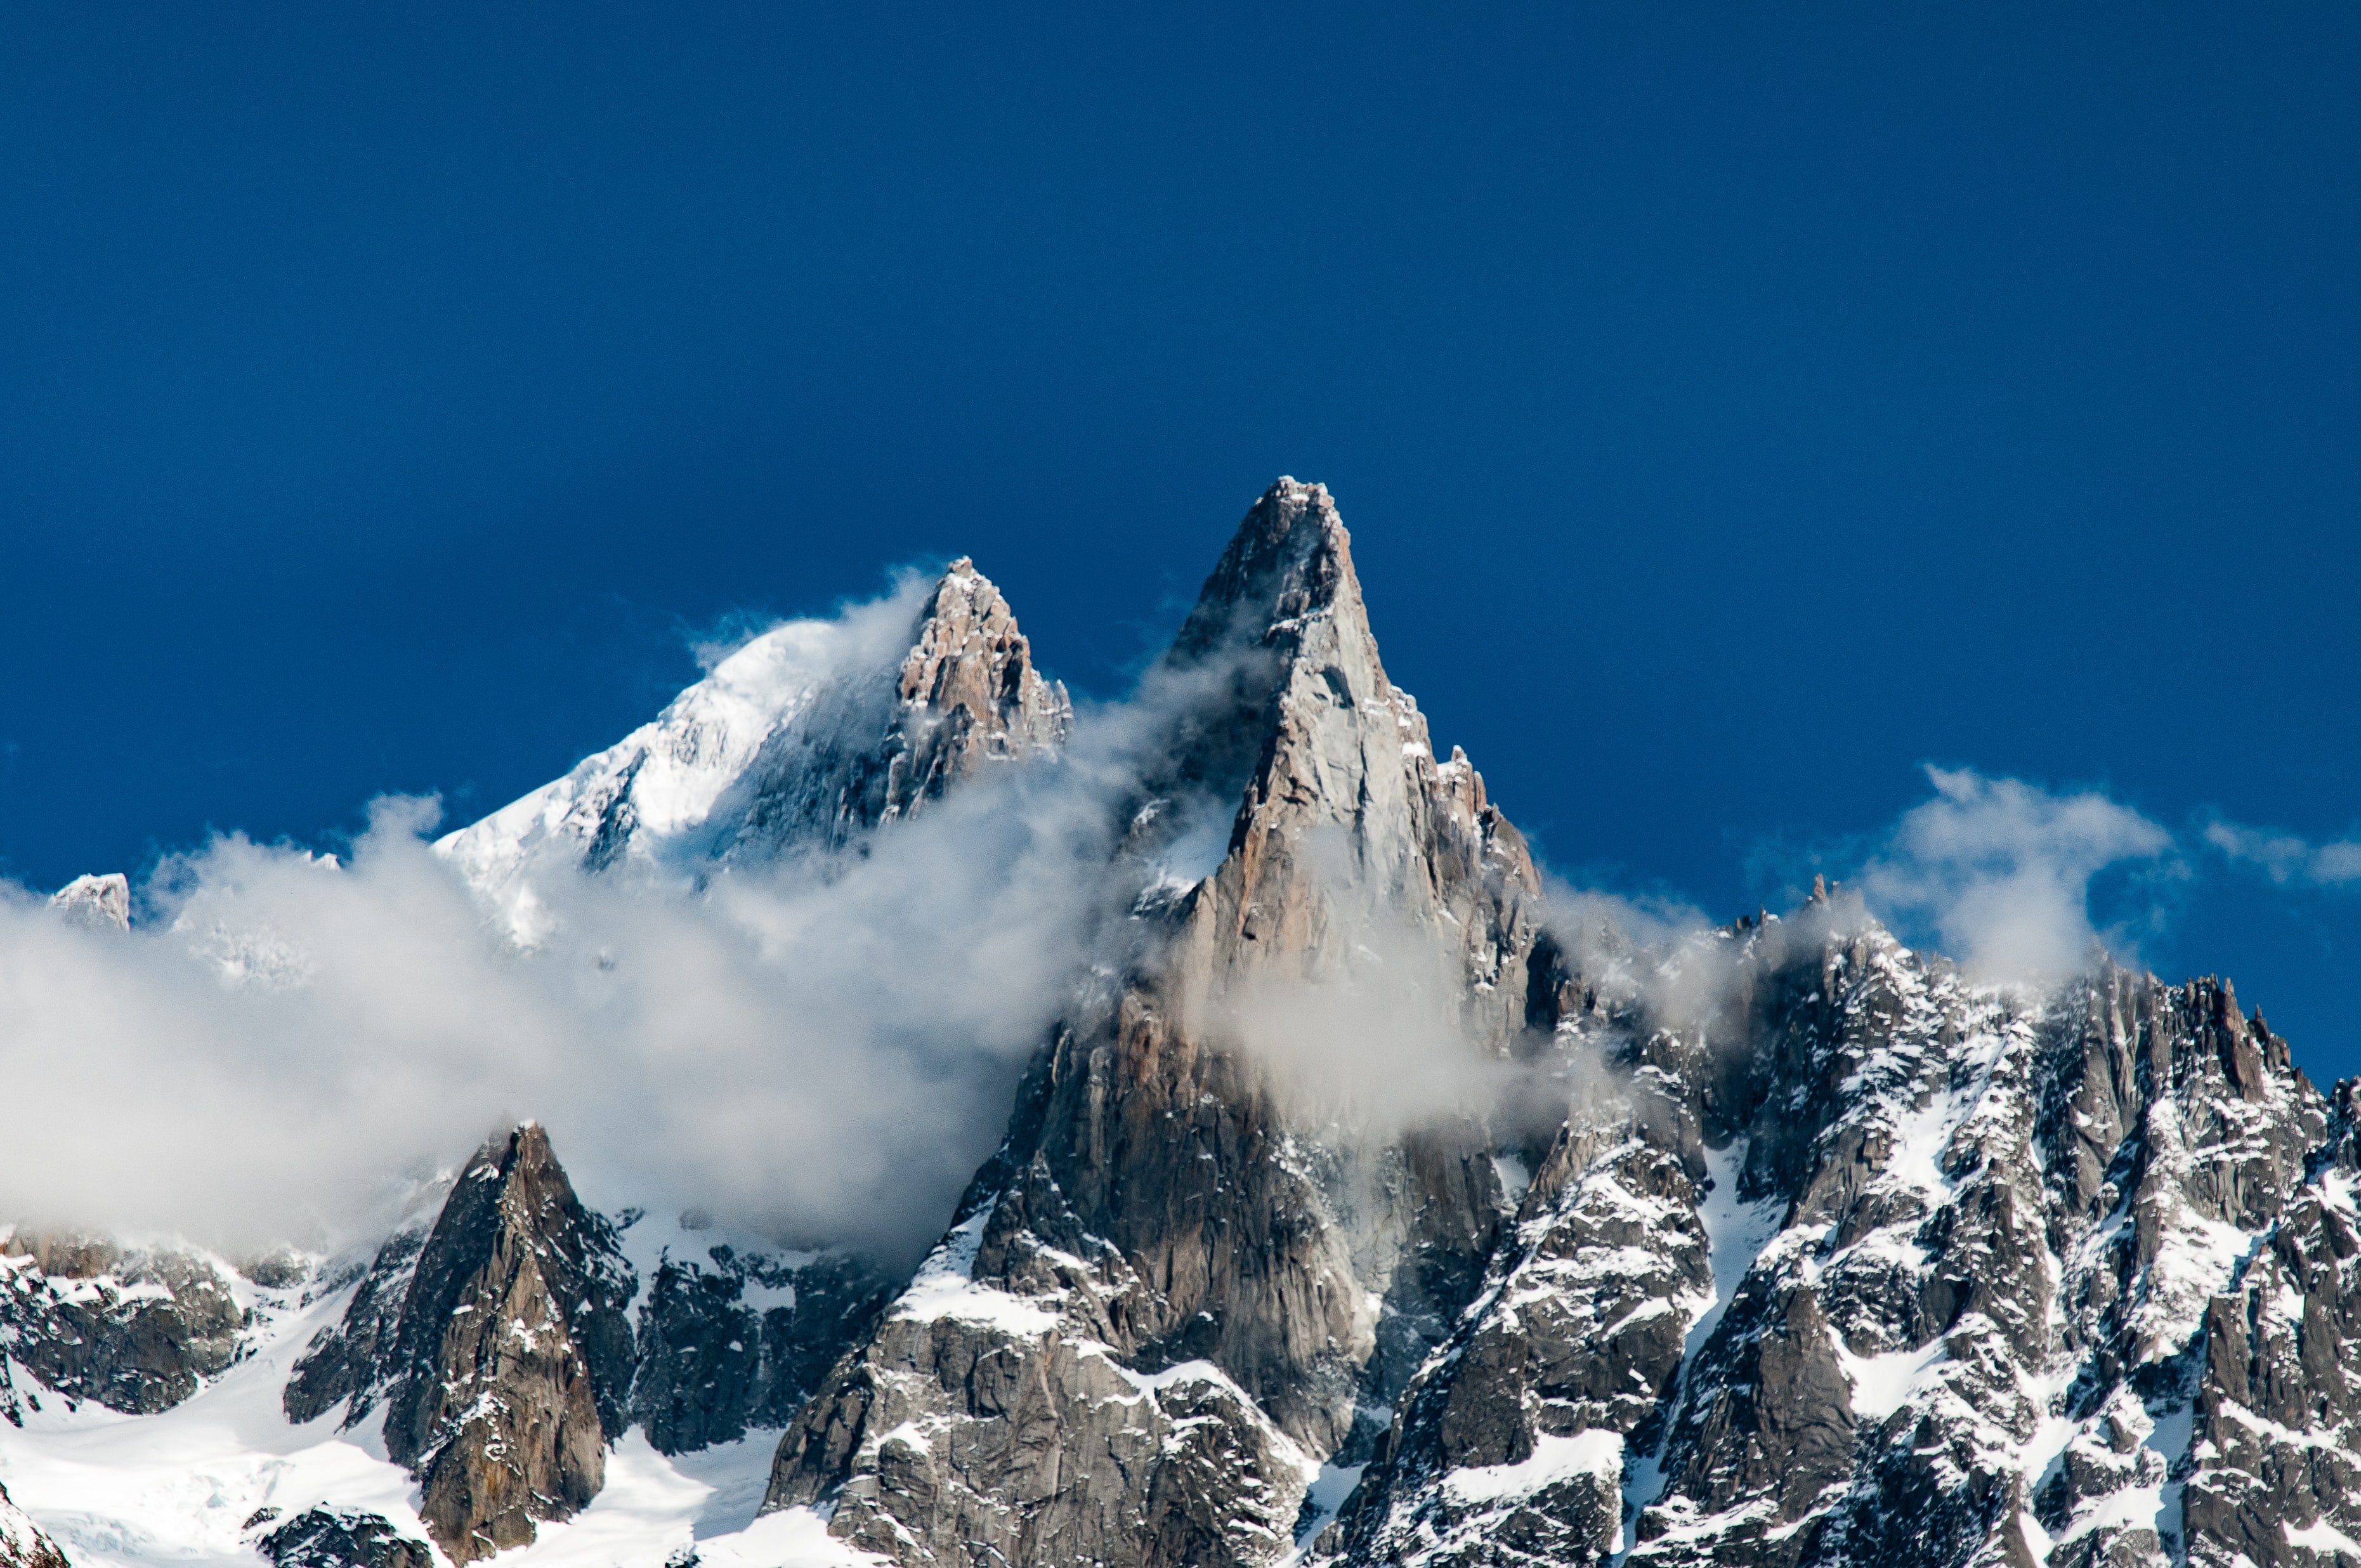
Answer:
x=823 y=1050
x=814 y=1051
x=810 y=1053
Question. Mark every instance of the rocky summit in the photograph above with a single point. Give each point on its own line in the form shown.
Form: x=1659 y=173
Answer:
x=1359 y=1207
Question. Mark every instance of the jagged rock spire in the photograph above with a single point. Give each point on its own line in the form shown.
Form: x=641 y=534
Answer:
x=1177 y=1287
x=498 y=1346
x=1328 y=742
x=867 y=752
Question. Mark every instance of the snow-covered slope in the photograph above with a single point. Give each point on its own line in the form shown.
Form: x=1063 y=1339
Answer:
x=660 y=783
x=186 y=1486
x=810 y=732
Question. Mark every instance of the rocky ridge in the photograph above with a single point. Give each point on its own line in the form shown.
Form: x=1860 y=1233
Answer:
x=1789 y=1247
x=793 y=742
x=737 y=1340
x=328 y=1538
x=2005 y=1240
x=1175 y=1290
x=130 y=1328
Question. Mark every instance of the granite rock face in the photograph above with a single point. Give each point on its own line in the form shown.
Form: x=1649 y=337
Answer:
x=1162 y=1303
x=133 y=1329
x=327 y=1538
x=877 y=745
x=507 y=1366
x=739 y=1340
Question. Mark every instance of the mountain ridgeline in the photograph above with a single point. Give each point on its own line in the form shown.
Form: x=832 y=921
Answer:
x=1785 y=1246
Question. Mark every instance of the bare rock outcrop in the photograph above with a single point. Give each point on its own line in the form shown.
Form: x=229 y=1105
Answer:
x=333 y=1538
x=1161 y=1305
x=132 y=1328
x=507 y=1368
x=877 y=746
x=738 y=1340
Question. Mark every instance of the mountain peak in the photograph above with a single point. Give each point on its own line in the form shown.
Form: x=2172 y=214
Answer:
x=99 y=903
x=807 y=734
x=498 y=1344
x=1291 y=556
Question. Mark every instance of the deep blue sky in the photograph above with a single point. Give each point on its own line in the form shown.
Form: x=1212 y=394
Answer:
x=1736 y=407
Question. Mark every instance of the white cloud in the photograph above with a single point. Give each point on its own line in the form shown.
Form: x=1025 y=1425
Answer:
x=1999 y=871
x=819 y=1050
x=2287 y=859
x=818 y=1054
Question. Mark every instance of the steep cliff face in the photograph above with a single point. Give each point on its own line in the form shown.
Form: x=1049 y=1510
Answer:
x=1971 y=1250
x=740 y=1339
x=133 y=1329
x=505 y=1369
x=2275 y=1461
x=804 y=738
x=1162 y=1303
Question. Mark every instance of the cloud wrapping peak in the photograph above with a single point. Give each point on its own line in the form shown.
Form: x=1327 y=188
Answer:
x=2000 y=871
x=819 y=1049
x=813 y=1053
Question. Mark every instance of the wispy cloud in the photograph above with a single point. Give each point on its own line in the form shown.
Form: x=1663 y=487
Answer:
x=2287 y=859
x=2000 y=871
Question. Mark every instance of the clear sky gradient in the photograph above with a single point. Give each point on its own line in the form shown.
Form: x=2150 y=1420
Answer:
x=1737 y=407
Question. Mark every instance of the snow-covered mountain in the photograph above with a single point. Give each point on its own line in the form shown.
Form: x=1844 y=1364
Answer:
x=808 y=735
x=1357 y=1209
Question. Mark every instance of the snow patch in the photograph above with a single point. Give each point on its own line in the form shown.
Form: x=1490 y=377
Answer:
x=944 y=1287
x=2322 y=1537
x=1881 y=1383
x=1554 y=1459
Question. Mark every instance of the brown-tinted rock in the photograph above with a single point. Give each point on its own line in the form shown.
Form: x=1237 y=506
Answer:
x=1161 y=1305
x=506 y=1366
x=879 y=745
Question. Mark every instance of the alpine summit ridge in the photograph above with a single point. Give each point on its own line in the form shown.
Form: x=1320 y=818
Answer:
x=1784 y=1245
